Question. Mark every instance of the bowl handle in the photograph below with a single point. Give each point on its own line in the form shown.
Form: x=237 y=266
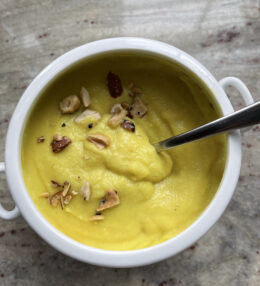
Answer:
x=3 y=212
x=240 y=86
x=242 y=89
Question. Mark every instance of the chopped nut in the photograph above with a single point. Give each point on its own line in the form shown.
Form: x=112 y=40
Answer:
x=138 y=108
x=136 y=90
x=100 y=140
x=56 y=185
x=86 y=157
x=130 y=85
x=40 y=139
x=96 y=218
x=57 y=137
x=85 y=97
x=111 y=200
x=128 y=125
x=116 y=109
x=133 y=90
x=59 y=143
x=67 y=199
x=85 y=190
x=74 y=193
x=88 y=113
x=55 y=198
x=114 y=85
x=125 y=105
x=62 y=202
x=118 y=115
x=66 y=188
x=45 y=195
x=69 y=104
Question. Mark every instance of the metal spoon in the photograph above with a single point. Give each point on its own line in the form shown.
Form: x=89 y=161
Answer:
x=247 y=116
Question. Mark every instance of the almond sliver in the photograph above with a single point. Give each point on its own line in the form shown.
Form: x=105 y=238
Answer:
x=100 y=140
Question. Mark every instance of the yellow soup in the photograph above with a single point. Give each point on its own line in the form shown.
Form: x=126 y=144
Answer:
x=161 y=194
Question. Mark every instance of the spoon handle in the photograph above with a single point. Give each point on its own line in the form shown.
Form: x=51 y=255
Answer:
x=244 y=117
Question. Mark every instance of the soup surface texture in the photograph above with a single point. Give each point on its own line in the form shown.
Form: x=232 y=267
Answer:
x=161 y=194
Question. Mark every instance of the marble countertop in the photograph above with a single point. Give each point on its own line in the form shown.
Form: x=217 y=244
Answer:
x=223 y=35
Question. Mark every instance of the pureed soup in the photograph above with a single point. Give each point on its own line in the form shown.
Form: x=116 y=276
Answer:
x=88 y=160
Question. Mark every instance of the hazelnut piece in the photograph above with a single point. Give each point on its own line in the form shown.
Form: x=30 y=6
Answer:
x=69 y=104
x=118 y=114
x=138 y=108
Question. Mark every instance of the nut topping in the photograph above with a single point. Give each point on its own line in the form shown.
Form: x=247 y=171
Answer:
x=67 y=199
x=133 y=90
x=130 y=85
x=128 y=125
x=138 y=108
x=45 y=195
x=55 y=198
x=66 y=188
x=88 y=113
x=85 y=190
x=63 y=196
x=74 y=193
x=118 y=114
x=125 y=105
x=136 y=90
x=69 y=104
x=40 y=139
x=85 y=97
x=56 y=185
x=57 y=137
x=62 y=202
x=114 y=85
x=97 y=217
x=100 y=140
x=116 y=109
x=59 y=143
x=111 y=200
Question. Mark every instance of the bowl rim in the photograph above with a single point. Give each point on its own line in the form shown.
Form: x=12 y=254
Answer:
x=111 y=258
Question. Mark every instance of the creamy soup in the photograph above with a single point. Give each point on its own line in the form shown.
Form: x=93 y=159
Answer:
x=119 y=193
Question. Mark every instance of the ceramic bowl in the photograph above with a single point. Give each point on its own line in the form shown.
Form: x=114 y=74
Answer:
x=70 y=247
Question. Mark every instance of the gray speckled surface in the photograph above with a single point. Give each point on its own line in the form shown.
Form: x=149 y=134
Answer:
x=225 y=36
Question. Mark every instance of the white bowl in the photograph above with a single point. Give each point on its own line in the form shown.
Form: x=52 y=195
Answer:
x=93 y=255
